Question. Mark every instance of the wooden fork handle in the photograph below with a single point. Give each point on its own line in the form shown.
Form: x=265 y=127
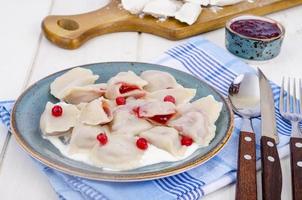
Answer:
x=296 y=167
x=246 y=188
x=271 y=170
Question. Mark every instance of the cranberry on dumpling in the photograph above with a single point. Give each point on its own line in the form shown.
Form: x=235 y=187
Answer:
x=58 y=119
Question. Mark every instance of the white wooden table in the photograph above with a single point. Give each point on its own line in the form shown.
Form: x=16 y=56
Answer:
x=27 y=56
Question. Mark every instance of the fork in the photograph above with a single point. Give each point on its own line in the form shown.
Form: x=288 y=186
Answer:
x=294 y=115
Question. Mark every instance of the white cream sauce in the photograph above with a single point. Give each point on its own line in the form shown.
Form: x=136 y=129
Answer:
x=151 y=156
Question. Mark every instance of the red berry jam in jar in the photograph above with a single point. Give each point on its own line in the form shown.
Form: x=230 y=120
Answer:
x=256 y=28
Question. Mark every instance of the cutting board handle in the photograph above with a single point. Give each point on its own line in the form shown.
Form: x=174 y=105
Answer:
x=71 y=31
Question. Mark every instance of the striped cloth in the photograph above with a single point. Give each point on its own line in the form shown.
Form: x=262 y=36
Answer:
x=206 y=61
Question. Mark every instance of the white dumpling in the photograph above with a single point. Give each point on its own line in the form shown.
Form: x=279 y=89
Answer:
x=51 y=125
x=159 y=80
x=134 y=6
x=196 y=126
x=156 y=107
x=181 y=95
x=200 y=2
x=207 y=105
x=119 y=153
x=72 y=78
x=162 y=8
x=188 y=13
x=96 y=112
x=126 y=122
x=84 y=137
x=129 y=78
x=224 y=2
x=125 y=84
x=114 y=91
x=81 y=106
x=165 y=138
x=84 y=94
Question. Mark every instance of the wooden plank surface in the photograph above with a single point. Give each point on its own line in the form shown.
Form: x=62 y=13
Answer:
x=19 y=177
x=71 y=31
x=19 y=40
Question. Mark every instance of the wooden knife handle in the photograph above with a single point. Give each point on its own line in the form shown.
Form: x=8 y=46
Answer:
x=296 y=167
x=246 y=188
x=271 y=170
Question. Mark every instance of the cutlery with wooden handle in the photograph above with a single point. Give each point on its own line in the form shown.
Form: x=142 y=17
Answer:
x=271 y=168
x=295 y=117
x=245 y=99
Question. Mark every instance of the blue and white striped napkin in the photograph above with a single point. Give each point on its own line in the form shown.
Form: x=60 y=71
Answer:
x=206 y=61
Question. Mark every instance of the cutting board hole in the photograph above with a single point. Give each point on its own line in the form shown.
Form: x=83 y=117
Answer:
x=68 y=24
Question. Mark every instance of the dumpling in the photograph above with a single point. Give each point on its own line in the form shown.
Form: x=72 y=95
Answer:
x=72 y=78
x=126 y=122
x=96 y=112
x=134 y=6
x=165 y=138
x=159 y=80
x=162 y=8
x=181 y=95
x=81 y=106
x=84 y=94
x=129 y=78
x=119 y=153
x=60 y=125
x=188 y=13
x=207 y=105
x=158 y=112
x=200 y=2
x=196 y=126
x=124 y=90
x=224 y=2
x=155 y=107
x=83 y=137
x=125 y=84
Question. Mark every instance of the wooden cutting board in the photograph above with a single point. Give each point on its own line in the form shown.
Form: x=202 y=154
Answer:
x=72 y=31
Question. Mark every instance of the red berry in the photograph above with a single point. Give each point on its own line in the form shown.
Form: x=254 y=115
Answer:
x=142 y=143
x=186 y=141
x=102 y=138
x=57 y=111
x=120 y=101
x=170 y=98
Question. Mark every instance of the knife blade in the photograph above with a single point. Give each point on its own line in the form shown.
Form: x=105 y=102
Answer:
x=271 y=168
x=269 y=127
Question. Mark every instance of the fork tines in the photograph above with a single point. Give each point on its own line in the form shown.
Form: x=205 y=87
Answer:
x=293 y=110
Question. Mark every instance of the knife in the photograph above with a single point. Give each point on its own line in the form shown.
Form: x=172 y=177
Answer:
x=271 y=168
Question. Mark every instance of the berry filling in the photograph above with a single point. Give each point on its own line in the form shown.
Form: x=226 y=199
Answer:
x=142 y=143
x=186 y=141
x=57 y=111
x=120 y=101
x=161 y=119
x=256 y=28
x=102 y=138
x=136 y=111
x=124 y=88
x=106 y=109
x=169 y=98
